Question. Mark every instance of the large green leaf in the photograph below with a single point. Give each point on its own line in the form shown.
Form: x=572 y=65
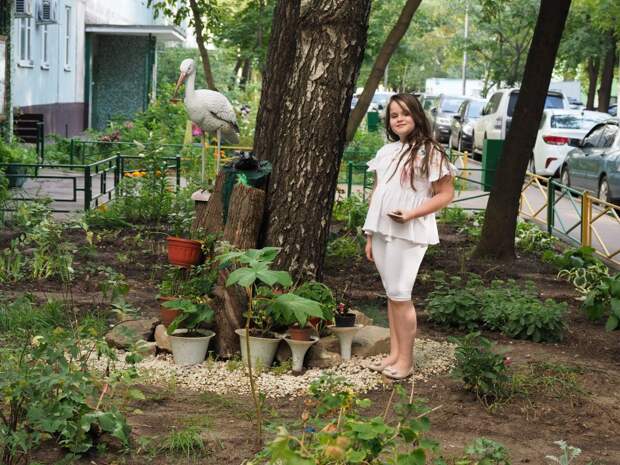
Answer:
x=291 y=308
x=245 y=277
x=612 y=323
x=270 y=277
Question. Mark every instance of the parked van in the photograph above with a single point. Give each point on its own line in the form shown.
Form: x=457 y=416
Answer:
x=494 y=123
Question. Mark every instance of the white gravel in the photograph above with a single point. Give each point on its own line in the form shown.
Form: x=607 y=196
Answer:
x=432 y=358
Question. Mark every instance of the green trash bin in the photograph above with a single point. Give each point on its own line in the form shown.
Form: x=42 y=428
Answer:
x=372 y=120
x=491 y=153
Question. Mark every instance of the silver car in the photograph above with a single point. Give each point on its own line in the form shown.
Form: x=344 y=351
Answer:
x=595 y=165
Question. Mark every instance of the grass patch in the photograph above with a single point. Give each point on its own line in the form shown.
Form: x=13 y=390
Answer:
x=185 y=442
x=552 y=380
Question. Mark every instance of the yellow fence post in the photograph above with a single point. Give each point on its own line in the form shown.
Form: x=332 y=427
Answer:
x=586 y=219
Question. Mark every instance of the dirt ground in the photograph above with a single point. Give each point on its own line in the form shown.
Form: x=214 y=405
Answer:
x=587 y=418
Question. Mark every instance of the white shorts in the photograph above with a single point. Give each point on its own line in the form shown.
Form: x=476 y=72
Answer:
x=398 y=262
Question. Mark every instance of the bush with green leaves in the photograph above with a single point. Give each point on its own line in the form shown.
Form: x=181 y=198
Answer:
x=504 y=306
x=579 y=266
x=482 y=370
x=47 y=391
x=454 y=216
x=320 y=293
x=344 y=248
x=573 y=257
x=530 y=238
x=603 y=301
x=483 y=451
x=352 y=211
x=342 y=431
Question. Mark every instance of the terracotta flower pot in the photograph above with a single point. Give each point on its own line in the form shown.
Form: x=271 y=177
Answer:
x=167 y=315
x=184 y=252
x=300 y=334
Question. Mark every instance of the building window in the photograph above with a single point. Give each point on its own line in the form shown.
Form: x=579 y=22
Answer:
x=44 y=53
x=68 y=38
x=25 y=42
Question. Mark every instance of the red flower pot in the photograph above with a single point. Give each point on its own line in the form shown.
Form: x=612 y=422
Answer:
x=300 y=334
x=167 y=315
x=184 y=252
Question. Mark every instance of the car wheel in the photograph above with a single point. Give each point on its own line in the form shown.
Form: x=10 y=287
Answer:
x=603 y=190
x=565 y=176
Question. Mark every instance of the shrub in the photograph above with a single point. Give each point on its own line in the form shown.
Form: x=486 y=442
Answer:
x=351 y=210
x=482 y=371
x=345 y=247
x=579 y=266
x=455 y=216
x=603 y=300
x=501 y=305
x=530 y=238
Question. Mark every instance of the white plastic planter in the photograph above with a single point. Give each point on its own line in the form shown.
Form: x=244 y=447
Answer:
x=262 y=349
x=189 y=350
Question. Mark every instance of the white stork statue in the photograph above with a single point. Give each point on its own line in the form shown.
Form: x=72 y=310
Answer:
x=209 y=110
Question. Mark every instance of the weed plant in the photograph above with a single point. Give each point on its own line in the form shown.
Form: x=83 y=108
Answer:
x=344 y=248
x=603 y=301
x=471 y=304
x=352 y=211
x=185 y=442
x=530 y=238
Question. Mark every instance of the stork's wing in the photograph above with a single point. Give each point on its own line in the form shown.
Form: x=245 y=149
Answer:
x=221 y=108
x=221 y=117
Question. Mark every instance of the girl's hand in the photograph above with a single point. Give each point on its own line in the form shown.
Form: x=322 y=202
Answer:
x=368 y=248
x=402 y=216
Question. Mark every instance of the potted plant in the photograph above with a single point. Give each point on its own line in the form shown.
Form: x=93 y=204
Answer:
x=189 y=343
x=343 y=317
x=192 y=283
x=183 y=249
x=322 y=294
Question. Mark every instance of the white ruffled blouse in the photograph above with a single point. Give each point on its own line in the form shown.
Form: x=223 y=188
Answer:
x=391 y=194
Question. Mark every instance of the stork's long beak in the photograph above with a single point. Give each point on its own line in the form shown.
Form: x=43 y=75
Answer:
x=179 y=82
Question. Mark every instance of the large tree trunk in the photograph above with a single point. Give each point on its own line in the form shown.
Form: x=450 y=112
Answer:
x=594 y=64
x=200 y=41
x=314 y=58
x=245 y=73
x=607 y=75
x=383 y=58
x=498 y=232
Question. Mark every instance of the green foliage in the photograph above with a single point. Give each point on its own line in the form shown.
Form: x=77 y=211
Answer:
x=530 y=238
x=186 y=442
x=16 y=153
x=483 y=451
x=343 y=433
x=502 y=305
x=352 y=211
x=574 y=257
x=22 y=315
x=12 y=264
x=193 y=283
x=320 y=293
x=603 y=300
x=47 y=391
x=569 y=453
x=481 y=369
x=344 y=247
x=579 y=266
x=192 y=314
x=455 y=216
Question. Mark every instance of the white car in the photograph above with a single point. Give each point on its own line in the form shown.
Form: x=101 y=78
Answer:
x=494 y=123
x=559 y=132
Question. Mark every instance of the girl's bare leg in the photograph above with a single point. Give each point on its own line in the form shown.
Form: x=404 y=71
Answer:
x=404 y=323
x=394 y=342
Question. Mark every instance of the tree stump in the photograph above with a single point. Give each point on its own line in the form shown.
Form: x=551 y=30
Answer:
x=209 y=215
x=231 y=303
x=245 y=214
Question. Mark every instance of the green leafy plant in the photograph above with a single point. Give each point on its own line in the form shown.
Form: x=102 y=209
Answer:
x=338 y=430
x=585 y=278
x=455 y=216
x=254 y=267
x=191 y=317
x=603 y=300
x=569 y=453
x=573 y=257
x=482 y=371
x=344 y=247
x=48 y=391
x=530 y=238
x=535 y=320
x=186 y=442
x=483 y=451
x=452 y=304
x=352 y=211
x=12 y=264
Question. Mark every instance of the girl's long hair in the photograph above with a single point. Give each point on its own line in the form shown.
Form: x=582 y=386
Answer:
x=421 y=136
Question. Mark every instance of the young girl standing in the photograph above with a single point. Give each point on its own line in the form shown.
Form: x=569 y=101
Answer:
x=413 y=180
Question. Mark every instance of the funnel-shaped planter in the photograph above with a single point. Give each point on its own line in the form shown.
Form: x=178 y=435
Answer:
x=189 y=350
x=299 y=349
x=262 y=349
x=184 y=252
x=345 y=336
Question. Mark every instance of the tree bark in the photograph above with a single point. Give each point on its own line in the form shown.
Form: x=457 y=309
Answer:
x=210 y=215
x=594 y=64
x=200 y=41
x=314 y=58
x=378 y=68
x=607 y=75
x=498 y=232
x=230 y=304
x=245 y=215
x=245 y=73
